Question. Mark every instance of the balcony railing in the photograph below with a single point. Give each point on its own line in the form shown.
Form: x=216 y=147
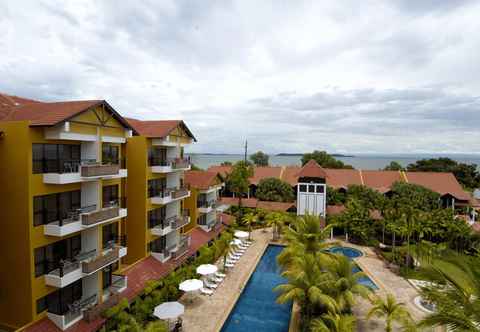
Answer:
x=107 y=257
x=182 y=220
x=207 y=204
x=166 y=192
x=182 y=247
x=181 y=163
x=99 y=169
x=180 y=192
x=77 y=308
x=97 y=216
x=175 y=163
x=167 y=222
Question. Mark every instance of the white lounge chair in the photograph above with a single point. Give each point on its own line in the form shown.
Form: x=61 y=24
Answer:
x=220 y=274
x=217 y=279
x=229 y=265
x=206 y=291
x=210 y=284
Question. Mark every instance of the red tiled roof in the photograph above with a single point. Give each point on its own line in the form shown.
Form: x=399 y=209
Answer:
x=342 y=178
x=157 y=128
x=260 y=173
x=201 y=179
x=442 y=183
x=275 y=206
x=381 y=180
x=246 y=202
x=290 y=175
x=312 y=170
x=48 y=114
x=223 y=171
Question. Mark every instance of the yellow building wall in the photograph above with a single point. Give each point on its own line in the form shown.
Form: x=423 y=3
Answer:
x=190 y=203
x=136 y=228
x=15 y=211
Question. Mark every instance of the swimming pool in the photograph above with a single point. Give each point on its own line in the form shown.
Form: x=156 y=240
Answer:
x=352 y=253
x=256 y=309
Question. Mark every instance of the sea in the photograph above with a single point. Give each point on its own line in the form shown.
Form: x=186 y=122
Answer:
x=358 y=161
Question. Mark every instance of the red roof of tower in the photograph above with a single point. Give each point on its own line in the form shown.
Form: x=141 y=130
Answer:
x=312 y=170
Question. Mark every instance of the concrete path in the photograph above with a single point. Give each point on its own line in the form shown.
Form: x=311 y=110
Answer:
x=208 y=313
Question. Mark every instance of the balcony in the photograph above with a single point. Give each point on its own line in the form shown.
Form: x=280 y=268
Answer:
x=169 y=165
x=67 y=273
x=74 y=314
x=119 y=284
x=207 y=223
x=182 y=220
x=165 y=227
x=182 y=247
x=206 y=206
x=169 y=195
x=74 y=171
x=83 y=218
x=106 y=257
x=164 y=254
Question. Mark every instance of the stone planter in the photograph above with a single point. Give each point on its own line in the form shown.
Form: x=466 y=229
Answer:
x=99 y=170
x=100 y=215
x=101 y=261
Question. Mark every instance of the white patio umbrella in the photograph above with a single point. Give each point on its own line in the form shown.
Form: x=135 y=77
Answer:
x=207 y=269
x=169 y=310
x=241 y=234
x=190 y=285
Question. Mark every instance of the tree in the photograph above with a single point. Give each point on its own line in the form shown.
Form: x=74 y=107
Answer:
x=324 y=160
x=226 y=163
x=415 y=196
x=335 y=197
x=333 y=323
x=454 y=290
x=394 y=166
x=259 y=158
x=357 y=221
x=276 y=220
x=194 y=167
x=275 y=190
x=367 y=197
x=466 y=174
x=238 y=181
x=391 y=310
x=249 y=219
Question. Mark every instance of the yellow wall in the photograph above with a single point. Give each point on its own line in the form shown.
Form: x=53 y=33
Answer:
x=137 y=198
x=15 y=210
x=191 y=205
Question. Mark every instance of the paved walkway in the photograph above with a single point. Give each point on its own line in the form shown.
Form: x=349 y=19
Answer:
x=208 y=313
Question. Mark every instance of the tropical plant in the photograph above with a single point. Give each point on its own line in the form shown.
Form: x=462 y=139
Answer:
x=454 y=291
x=276 y=220
x=394 y=166
x=238 y=181
x=392 y=311
x=249 y=220
x=357 y=222
x=259 y=158
x=157 y=326
x=275 y=190
x=332 y=322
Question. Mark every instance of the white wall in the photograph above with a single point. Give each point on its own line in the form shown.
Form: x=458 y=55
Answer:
x=312 y=203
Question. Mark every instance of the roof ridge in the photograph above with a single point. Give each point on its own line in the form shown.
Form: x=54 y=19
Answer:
x=361 y=176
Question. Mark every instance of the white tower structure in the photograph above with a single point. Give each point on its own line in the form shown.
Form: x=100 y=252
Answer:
x=312 y=190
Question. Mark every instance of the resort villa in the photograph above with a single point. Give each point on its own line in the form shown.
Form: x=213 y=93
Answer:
x=95 y=205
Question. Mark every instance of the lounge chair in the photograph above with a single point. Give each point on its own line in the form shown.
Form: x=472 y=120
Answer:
x=233 y=258
x=220 y=274
x=229 y=265
x=206 y=291
x=217 y=279
x=210 y=285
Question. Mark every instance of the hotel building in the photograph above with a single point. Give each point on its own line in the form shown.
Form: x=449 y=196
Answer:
x=203 y=201
x=156 y=190
x=62 y=209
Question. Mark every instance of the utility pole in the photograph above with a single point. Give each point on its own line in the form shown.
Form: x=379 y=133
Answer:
x=246 y=146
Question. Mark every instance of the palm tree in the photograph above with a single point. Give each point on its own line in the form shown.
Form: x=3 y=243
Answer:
x=249 y=219
x=344 y=283
x=221 y=246
x=392 y=310
x=276 y=220
x=304 y=236
x=455 y=292
x=306 y=281
x=333 y=323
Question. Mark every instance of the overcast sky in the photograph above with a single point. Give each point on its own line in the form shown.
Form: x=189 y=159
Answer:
x=290 y=76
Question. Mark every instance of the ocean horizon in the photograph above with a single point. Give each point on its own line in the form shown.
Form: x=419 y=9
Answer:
x=360 y=161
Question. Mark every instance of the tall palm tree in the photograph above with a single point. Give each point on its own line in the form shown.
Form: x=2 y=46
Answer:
x=344 y=283
x=333 y=323
x=276 y=220
x=455 y=292
x=249 y=219
x=306 y=281
x=392 y=311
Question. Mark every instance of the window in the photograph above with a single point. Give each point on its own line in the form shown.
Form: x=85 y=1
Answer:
x=156 y=217
x=55 y=207
x=109 y=195
x=303 y=188
x=58 y=301
x=158 y=245
x=157 y=156
x=110 y=154
x=41 y=304
x=55 y=158
x=156 y=187
x=311 y=188
x=109 y=234
x=320 y=189
x=48 y=258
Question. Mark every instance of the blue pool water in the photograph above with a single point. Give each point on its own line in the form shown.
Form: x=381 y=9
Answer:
x=256 y=309
x=352 y=253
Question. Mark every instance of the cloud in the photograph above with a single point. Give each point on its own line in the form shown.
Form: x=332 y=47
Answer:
x=350 y=76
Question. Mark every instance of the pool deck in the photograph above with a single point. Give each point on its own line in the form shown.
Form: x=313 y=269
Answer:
x=208 y=313
x=388 y=282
